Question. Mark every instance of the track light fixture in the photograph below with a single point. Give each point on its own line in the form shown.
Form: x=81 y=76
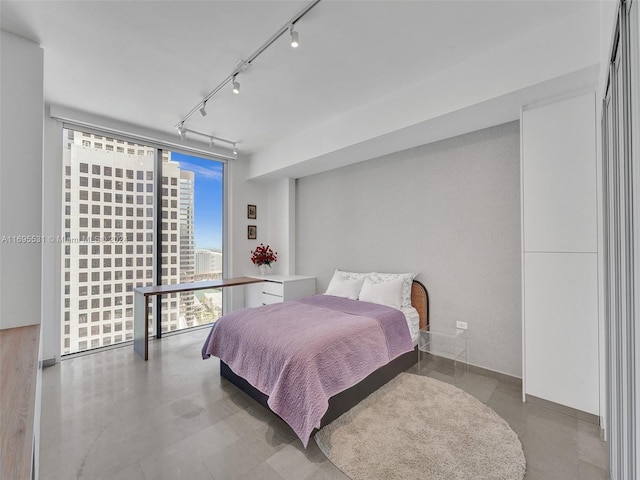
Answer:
x=236 y=85
x=182 y=131
x=294 y=37
x=240 y=68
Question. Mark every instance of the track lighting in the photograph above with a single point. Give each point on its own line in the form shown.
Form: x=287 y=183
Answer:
x=182 y=131
x=240 y=68
x=294 y=37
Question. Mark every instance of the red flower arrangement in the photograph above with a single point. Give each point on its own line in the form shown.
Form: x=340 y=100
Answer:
x=263 y=255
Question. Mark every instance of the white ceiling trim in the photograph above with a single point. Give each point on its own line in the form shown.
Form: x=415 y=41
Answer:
x=486 y=114
x=537 y=56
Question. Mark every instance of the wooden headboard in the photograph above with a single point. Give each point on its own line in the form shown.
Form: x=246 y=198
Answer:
x=420 y=301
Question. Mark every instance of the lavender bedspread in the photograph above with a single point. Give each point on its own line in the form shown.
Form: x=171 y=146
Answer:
x=301 y=353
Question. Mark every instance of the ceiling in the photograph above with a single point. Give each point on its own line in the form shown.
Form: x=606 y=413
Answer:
x=150 y=62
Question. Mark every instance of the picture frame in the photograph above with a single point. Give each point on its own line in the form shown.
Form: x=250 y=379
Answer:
x=252 y=212
x=252 y=232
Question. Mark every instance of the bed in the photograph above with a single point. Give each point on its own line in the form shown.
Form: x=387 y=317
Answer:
x=260 y=350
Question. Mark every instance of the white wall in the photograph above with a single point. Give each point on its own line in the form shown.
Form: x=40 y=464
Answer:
x=449 y=211
x=240 y=194
x=20 y=180
x=275 y=203
x=280 y=234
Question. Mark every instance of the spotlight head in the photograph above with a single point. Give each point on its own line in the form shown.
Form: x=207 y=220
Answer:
x=294 y=38
x=236 y=86
x=182 y=131
x=235 y=149
x=203 y=110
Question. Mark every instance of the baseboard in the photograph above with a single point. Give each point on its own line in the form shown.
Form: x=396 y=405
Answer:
x=556 y=407
x=502 y=377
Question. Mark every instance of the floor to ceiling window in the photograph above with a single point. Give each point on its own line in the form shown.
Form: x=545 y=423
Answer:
x=115 y=236
x=191 y=238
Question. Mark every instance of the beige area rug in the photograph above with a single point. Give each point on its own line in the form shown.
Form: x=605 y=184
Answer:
x=417 y=427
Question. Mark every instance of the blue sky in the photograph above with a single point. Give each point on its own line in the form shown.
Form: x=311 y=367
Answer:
x=207 y=199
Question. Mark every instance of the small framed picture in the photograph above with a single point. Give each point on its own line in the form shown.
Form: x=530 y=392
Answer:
x=252 y=232
x=252 y=212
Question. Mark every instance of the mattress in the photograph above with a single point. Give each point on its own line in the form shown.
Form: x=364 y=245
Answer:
x=413 y=322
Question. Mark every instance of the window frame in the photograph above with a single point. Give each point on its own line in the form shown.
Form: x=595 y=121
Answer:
x=150 y=214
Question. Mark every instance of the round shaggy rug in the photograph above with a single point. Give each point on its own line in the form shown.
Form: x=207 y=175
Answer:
x=416 y=427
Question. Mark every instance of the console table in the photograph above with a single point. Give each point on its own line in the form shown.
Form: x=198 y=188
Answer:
x=141 y=306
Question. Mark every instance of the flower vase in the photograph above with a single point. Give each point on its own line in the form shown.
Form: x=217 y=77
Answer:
x=263 y=269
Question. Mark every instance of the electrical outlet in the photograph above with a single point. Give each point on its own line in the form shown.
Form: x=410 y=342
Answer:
x=461 y=325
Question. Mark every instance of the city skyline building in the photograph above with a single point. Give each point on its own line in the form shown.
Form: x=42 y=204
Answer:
x=208 y=264
x=109 y=227
x=187 y=245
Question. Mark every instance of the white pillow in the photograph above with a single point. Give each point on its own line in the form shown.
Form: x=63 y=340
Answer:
x=385 y=293
x=350 y=275
x=345 y=284
x=407 y=281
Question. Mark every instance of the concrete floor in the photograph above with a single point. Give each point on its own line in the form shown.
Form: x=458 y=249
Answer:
x=110 y=415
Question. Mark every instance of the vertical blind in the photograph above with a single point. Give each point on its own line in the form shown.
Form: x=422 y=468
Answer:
x=620 y=239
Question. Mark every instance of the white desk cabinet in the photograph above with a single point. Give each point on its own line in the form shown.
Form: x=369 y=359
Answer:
x=279 y=288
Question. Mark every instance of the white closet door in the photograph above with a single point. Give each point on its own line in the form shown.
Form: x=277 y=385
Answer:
x=561 y=329
x=559 y=177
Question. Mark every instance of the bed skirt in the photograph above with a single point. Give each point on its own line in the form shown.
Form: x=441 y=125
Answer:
x=343 y=401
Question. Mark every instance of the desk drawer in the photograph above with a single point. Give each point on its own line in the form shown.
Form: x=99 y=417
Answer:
x=273 y=288
x=268 y=299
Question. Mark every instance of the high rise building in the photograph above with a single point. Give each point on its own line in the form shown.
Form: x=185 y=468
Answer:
x=187 y=246
x=108 y=224
x=208 y=264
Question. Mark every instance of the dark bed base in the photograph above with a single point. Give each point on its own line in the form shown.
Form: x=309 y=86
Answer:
x=343 y=401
